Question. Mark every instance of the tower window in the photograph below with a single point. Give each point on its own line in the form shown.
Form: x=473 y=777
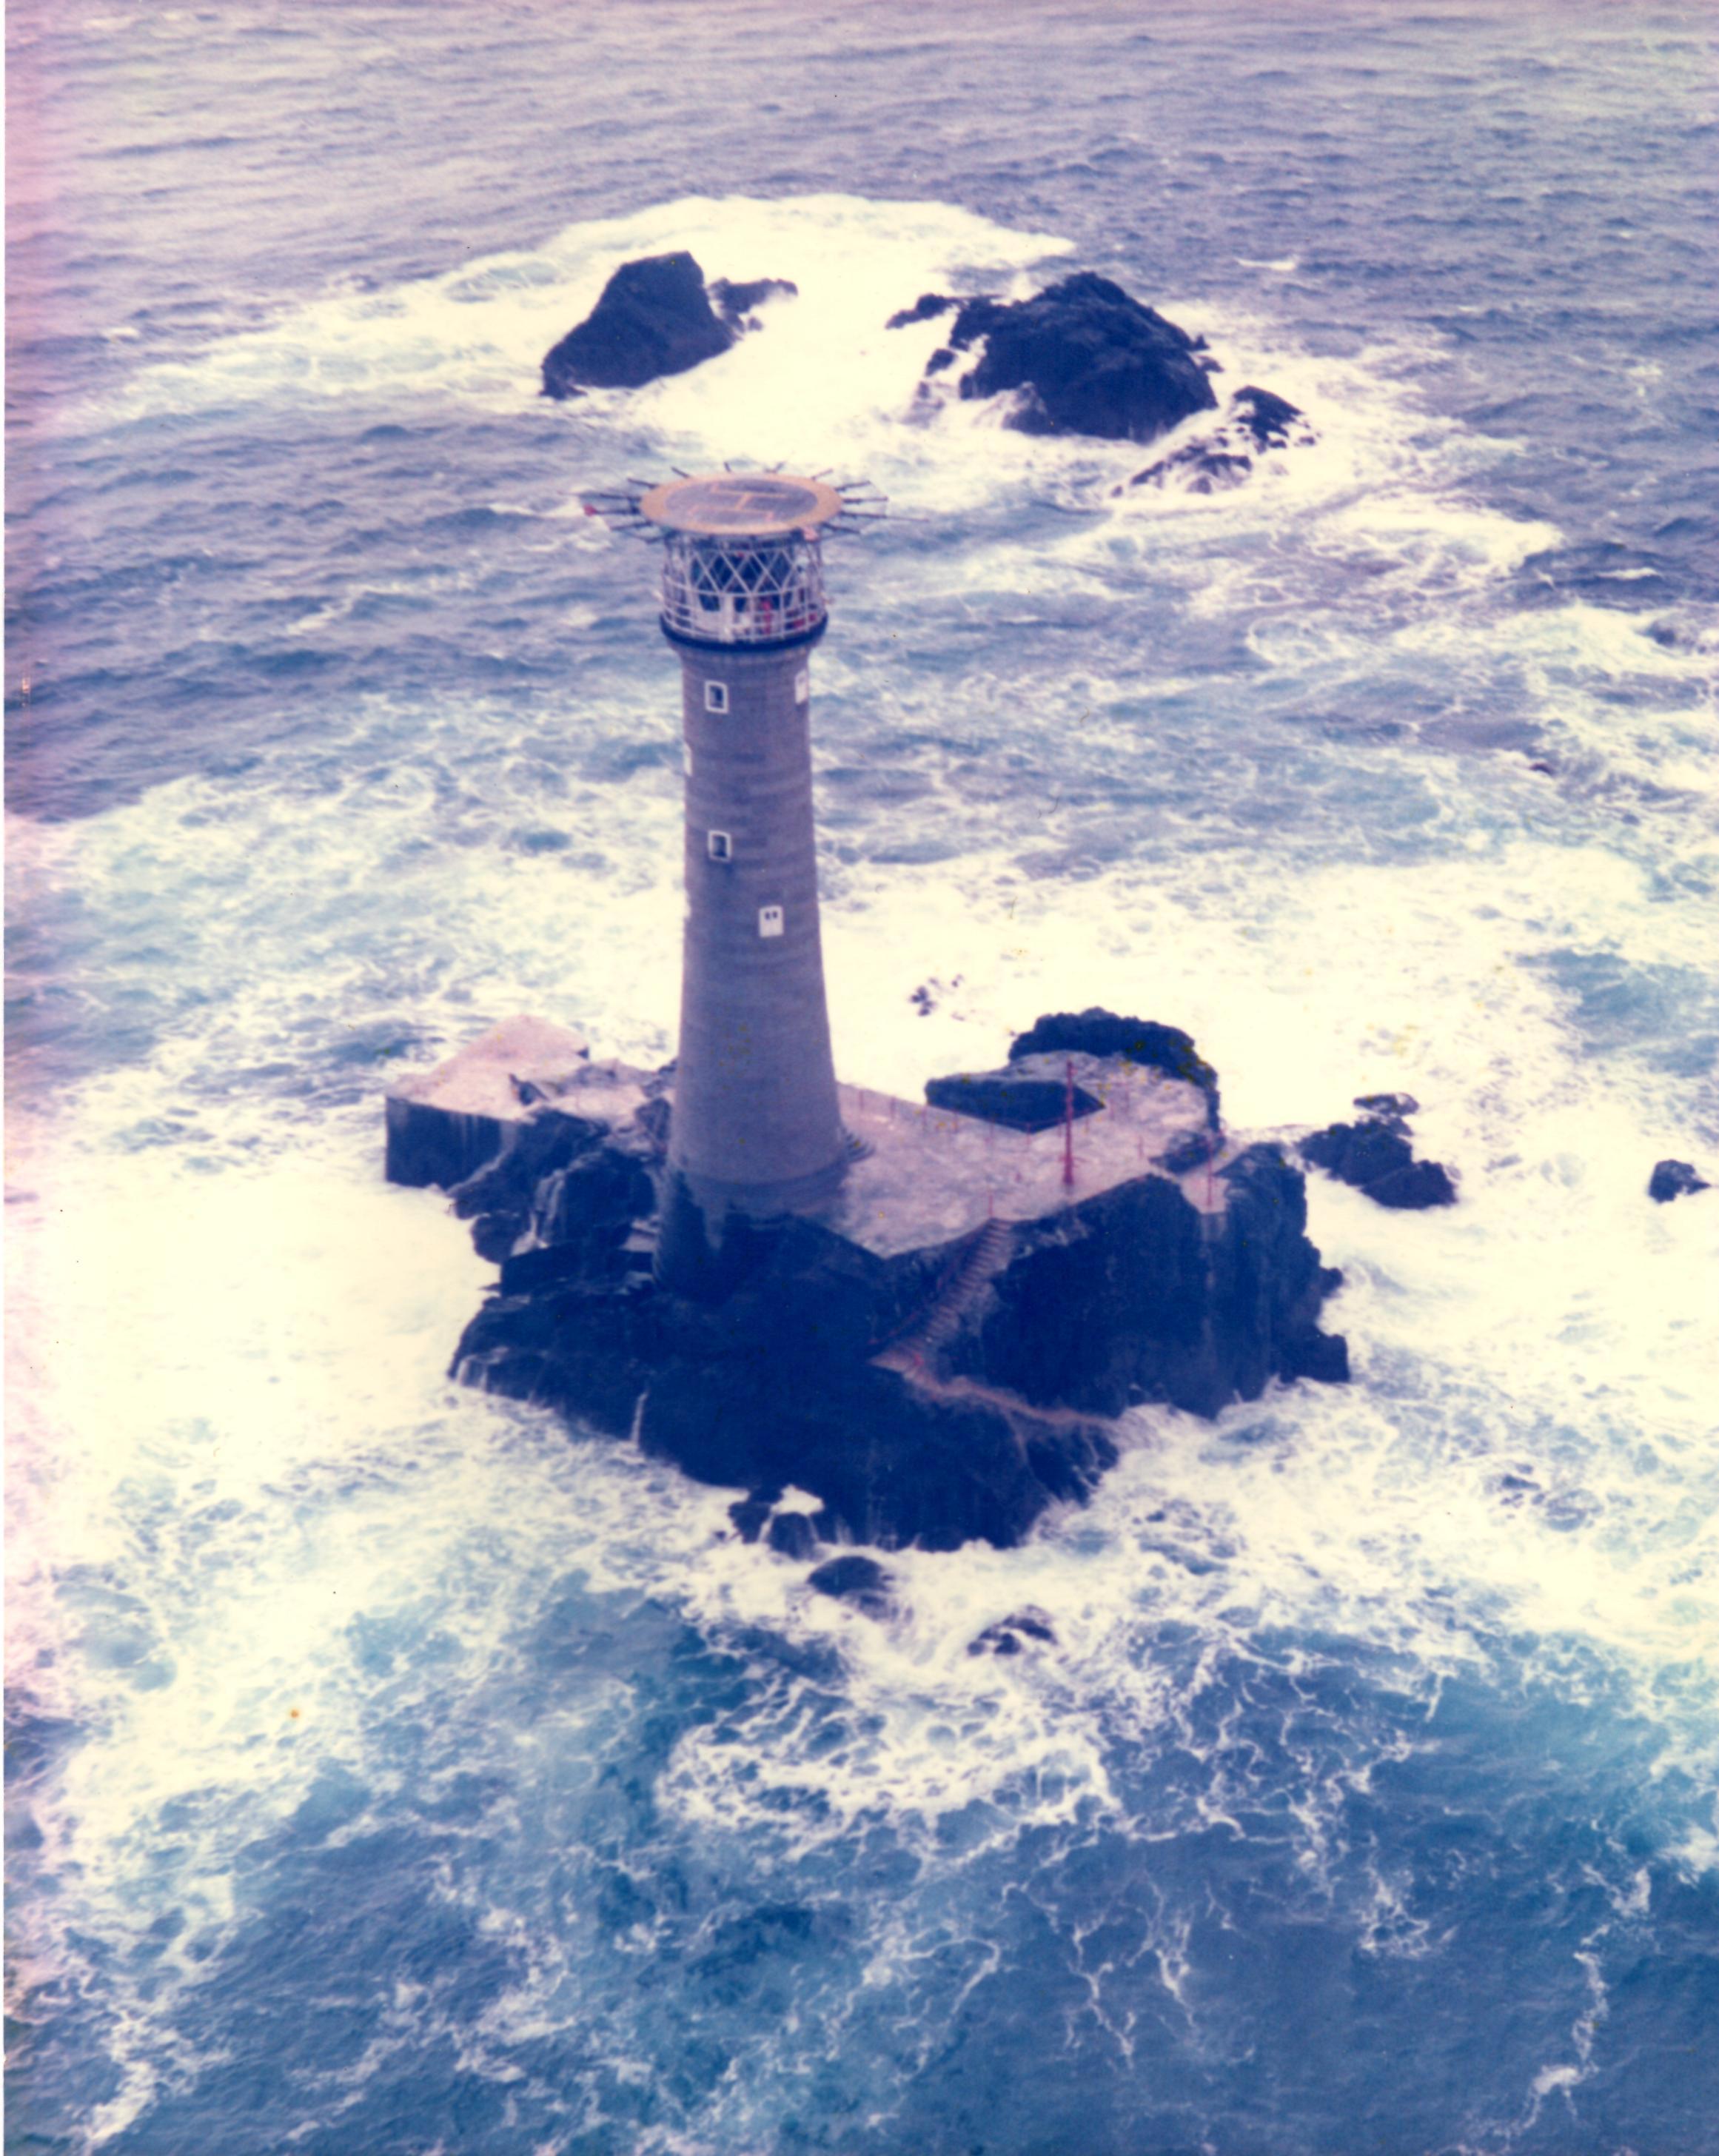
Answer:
x=770 y=921
x=802 y=685
x=720 y=845
x=715 y=696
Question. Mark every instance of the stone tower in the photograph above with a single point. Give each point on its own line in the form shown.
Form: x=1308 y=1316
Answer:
x=757 y=1133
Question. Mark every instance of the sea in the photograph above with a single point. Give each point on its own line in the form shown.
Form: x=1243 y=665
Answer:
x=394 y=1771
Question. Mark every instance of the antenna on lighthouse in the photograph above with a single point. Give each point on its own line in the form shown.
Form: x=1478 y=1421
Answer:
x=756 y=1130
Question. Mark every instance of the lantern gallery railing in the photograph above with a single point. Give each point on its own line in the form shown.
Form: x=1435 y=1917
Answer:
x=743 y=556
x=727 y=591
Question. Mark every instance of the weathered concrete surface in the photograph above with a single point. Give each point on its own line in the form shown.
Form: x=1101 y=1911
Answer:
x=443 y=1124
x=932 y=1176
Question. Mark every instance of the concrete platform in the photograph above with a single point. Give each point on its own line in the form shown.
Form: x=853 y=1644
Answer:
x=443 y=1124
x=933 y=1176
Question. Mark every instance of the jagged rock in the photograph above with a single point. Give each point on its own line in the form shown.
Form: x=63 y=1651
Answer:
x=1122 y=1299
x=1000 y=1096
x=860 y=1580
x=1257 y=420
x=653 y=318
x=750 y=1514
x=735 y=304
x=792 y=1534
x=500 y=1194
x=925 y=309
x=1005 y=1636
x=1674 y=1179
x=1393 y=1107
x=1375 y=1156
x=1080 y=357
x=1098 y=1032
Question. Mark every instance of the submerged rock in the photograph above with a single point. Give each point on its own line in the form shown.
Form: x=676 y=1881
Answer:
x=655 y=318
x=1006 y=1635
x=925 y=309
x=1257 y=421
x=860 y=1580
x=1674 y=1179
x=1375 y=1156
x=738 y=303
x=1080 y=357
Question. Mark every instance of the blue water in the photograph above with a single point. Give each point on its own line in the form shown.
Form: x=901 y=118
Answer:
x=392 y=1772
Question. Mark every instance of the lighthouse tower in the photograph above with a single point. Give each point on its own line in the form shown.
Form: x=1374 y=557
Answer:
x=756 y=1132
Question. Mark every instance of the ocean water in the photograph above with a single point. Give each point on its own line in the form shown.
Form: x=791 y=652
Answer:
x=393 y=1772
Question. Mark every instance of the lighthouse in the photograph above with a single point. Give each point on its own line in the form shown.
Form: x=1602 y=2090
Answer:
x=755 y=1133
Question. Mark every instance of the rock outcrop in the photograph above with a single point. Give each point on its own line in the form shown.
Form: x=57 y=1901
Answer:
x=1080 y=357
x=1257 y=421
x=656 y=317
x=910 y=1412
x=1374 y=1155
x=1131 y=1297
x=1674 y=1179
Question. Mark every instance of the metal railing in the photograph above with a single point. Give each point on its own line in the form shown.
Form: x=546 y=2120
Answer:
x=732 y=590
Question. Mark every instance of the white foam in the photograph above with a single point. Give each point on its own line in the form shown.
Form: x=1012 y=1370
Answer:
x=807 y=386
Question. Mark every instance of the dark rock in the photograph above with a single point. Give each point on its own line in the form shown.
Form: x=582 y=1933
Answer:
x=1375 y=1156
x=860 y=1580
x=775 y=1384
x=1391 y=1107
x=771 y=1378
x=653 y=319
x=1256 y=421
x=430 y=1148
x=792 y=1534
x=1188 y=1152
x=1674 y=1179
x=1082 y=357
x=1413 y=1189
x=1021 y=1103
x=1272 y=420
x=749 y=1515
x=925 y=309
x=941 y=360
x=500 y=1195
x=1097 y=1032
x=735 y=303
x=1122 y=1299
x=1005 y=1636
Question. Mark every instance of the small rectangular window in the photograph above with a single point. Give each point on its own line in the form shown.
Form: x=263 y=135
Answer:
x=770 y=921
x=802 y=685
x=686 y=759
x=715 y=696
x=720 y=845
